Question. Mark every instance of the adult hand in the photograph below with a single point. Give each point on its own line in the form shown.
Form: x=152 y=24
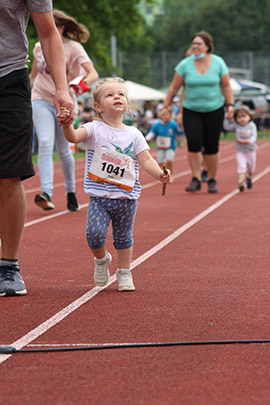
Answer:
x=62 y=99
x=230 y=112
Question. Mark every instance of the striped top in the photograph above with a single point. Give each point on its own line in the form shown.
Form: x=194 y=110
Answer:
x=129 y=141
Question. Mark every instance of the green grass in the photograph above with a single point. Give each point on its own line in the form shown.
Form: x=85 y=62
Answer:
x=231 y=135
x=228 y=137
x=79 y=155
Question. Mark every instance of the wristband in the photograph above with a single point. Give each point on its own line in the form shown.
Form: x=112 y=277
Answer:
x=230 y=105
x=165 y=106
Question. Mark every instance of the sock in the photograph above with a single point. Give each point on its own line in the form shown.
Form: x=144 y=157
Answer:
x=125 y=271
x=100 y=261
x=7 y=262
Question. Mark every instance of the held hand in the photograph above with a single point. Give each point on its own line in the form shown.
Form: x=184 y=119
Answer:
x=62 y=100
x=230 y=112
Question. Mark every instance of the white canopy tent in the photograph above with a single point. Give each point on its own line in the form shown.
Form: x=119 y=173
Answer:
x=139 y=92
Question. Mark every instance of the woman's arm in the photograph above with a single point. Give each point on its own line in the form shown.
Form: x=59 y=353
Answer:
x=33 y=73
x=227 y=92
x=92 y=74
x=175 y=85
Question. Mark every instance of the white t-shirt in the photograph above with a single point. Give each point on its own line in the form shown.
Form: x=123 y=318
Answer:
x=129 y=141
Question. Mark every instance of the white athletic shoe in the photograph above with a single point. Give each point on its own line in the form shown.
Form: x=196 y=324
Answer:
x=102 y=274
x=125 y=282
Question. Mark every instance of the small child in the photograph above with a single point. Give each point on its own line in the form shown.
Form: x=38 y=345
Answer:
x=113 y=151
x=165 y=132
x=246 y=136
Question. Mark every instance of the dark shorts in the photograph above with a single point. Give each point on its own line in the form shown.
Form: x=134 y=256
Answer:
x=16 y=130
x=203 y=130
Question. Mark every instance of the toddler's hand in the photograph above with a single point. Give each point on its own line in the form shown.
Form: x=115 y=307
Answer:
x=165 y=178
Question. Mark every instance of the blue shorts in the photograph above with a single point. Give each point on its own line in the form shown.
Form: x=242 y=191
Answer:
x=103 y=210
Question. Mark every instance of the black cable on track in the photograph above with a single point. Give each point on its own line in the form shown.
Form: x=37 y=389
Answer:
x=11 y=349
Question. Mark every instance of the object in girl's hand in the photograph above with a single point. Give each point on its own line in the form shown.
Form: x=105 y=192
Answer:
x=79 y=85
x=164 y=184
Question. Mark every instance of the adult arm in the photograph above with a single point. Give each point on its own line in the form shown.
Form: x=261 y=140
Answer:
x=92 y=74
x=175 y=85
x=227 y=92
x=33 y=73
x=53 y=52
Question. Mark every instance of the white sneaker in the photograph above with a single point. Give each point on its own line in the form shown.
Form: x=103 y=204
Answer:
x=102 y=274
x=125 y=282
x=241 y=185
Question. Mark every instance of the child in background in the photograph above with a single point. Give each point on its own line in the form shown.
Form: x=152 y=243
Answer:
x=246 y=136
x=165 y=132
x=113 y=151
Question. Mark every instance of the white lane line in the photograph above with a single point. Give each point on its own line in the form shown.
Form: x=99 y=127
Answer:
x=59 y=316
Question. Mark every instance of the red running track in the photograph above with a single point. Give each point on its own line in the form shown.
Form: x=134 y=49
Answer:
x=201 y=270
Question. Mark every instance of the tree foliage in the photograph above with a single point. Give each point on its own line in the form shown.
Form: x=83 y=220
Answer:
x=234 y=26
x=104 y=18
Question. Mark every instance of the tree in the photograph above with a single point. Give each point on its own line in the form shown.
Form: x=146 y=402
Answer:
x=103 y=18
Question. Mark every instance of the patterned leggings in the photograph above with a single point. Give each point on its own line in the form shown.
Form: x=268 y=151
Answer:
x=103 y=210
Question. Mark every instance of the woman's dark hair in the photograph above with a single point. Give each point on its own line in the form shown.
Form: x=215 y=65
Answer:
x=206 y=37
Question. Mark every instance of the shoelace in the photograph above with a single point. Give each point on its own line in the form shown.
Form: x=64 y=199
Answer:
x=8 y=273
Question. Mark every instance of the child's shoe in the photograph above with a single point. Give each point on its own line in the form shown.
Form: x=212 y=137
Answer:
x=124 y=278
x=249 y=182
x=102 y=274
x=241 y=185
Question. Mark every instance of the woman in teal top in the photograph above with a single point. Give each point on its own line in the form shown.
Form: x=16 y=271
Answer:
x=206 y=81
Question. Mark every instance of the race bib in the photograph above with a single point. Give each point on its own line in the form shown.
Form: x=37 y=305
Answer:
x=109 y=166
x=163 y=142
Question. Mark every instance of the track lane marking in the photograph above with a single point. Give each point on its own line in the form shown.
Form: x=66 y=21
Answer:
x=62 y=314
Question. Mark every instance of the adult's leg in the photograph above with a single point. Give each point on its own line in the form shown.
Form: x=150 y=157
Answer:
x=193 y=125
x=212 y=129
x=44 y=122
x=66 y=158
x=12 y=216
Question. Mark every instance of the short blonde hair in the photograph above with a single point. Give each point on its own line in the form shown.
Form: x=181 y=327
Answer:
x=107 y=80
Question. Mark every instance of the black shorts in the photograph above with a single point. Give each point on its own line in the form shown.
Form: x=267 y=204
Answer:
x=203 y=130
x=16 y=129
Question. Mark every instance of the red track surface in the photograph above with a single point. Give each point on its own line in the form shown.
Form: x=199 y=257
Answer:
x=209 y=282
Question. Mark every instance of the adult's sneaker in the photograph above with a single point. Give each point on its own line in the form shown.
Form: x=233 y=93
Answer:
x=195 y=185
x=72 y=203
x=249 y=182
x=11 y=282
x=204 y=176
x=212 y=186
x=102 y=274
x=125 y=282
x=43 y=201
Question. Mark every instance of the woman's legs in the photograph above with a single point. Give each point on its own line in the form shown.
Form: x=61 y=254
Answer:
x=66 y=158
x=44 y=122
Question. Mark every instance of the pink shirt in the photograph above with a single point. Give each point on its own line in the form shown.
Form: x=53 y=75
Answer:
x=43 y=87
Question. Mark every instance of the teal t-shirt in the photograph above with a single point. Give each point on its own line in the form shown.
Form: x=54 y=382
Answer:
x=202 y=91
